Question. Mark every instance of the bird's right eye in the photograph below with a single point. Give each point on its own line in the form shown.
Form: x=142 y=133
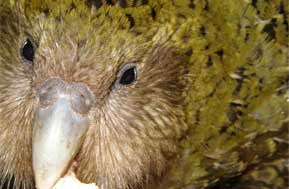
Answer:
x=28 y=51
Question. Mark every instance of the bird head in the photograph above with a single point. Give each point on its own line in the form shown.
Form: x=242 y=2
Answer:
x=80 y=86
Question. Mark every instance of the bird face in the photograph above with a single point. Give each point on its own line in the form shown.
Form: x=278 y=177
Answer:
x=74 y=91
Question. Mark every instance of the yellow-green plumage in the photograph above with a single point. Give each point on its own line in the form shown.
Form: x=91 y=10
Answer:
x=236 y=108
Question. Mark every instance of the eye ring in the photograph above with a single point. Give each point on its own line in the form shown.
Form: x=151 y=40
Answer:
x=27 y=51
x=127 y=75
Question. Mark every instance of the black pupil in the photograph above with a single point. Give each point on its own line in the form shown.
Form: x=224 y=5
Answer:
x=128 y=76
x=28 y=51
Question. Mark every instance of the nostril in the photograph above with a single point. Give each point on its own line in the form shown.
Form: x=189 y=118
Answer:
x=80 y=104
x=86 y=100
x=47 y=93
x=81 y=98
x=49 y=88
x=45 y=100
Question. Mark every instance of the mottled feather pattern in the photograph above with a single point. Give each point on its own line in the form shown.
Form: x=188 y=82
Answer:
x=210 y=105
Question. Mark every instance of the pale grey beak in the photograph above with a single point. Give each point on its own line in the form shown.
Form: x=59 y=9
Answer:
x=59 y=128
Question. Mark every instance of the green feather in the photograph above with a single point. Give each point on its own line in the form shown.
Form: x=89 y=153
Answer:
x=236 y=108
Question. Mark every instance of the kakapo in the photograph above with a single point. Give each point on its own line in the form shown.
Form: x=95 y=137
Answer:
x=144 y=93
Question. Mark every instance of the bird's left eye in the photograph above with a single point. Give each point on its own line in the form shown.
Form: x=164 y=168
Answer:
x=28 y=50
x=127 y=75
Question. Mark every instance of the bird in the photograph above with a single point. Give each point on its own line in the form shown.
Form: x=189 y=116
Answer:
x=189 y=94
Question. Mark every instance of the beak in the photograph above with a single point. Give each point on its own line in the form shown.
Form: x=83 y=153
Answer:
x=57 y=135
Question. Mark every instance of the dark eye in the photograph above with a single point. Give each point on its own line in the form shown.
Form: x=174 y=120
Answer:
x=28 y=50
x=127 y=75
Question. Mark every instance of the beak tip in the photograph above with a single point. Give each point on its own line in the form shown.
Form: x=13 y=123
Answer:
x=44 y=183
x=46 y=176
